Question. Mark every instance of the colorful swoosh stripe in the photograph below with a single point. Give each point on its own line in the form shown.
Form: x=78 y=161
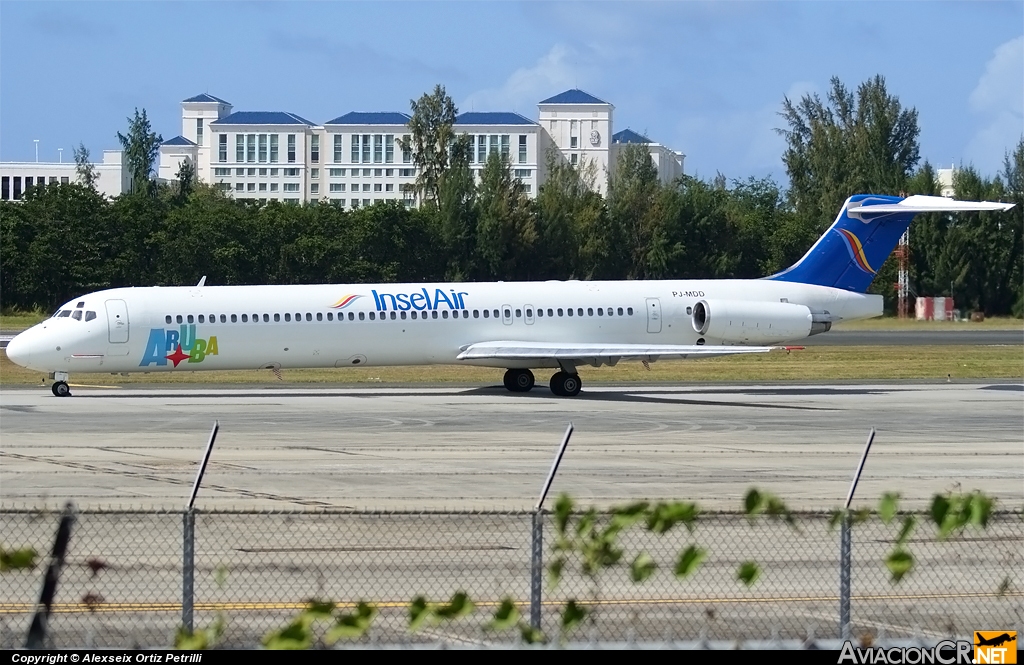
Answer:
x=856 y=251
x=345 y=302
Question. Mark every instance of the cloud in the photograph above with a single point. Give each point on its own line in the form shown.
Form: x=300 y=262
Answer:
x=554 y=72
x=999 y=101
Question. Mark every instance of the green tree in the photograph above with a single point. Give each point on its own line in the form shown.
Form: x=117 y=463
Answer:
x=506 y=231
x=84 y=168
x=433 y=141
x=456 y=217
x=186 y=178
x=569 y=215
x=638 y=242
x=141 y=147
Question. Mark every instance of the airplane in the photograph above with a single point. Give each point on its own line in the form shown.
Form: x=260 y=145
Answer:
x=517 y=326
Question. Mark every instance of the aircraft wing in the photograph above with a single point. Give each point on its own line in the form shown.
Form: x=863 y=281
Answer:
x=605 y=353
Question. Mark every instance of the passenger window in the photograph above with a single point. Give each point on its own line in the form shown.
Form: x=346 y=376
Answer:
x=476 y=314
x=569 y=311
x=277 y=317
x=245 y=318
x=309 y=317
x=508 y=313
x=433 y=314
x=77 y=315
x=319 y=316
x=223 y=319
x=89 y=316
x=362 y=316
x=629 y=311
x=201 y=319
x=600 y=312
x=234 y=318
x=330 y=316
x=465 y=313
x=620 y=311
x=255 y=318
x=540 y=312
x=178 y=318
x=191 y=319
x=689 y=310
x=213 y=318
x=519 y=313
x=444 y=314
x=393 y=316
x=579 y=311
x=550 y=313
x=560 y=311
x=167 y=318
x=287 y=316
x=403 y=316
x=413 y=314
x=487 y=313
x=590 y=311
x=497 y=314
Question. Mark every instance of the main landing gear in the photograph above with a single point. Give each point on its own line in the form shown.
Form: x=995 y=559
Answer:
x=563 y=384
x=60 y=386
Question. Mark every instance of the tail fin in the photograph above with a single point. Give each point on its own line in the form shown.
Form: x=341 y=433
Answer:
x=866 y=231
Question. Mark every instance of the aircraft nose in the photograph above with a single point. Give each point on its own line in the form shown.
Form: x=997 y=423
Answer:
x=19 y=350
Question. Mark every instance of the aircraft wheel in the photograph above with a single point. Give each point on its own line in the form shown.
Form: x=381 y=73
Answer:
x=61 y=389
x=519 y=380
x=566 y=385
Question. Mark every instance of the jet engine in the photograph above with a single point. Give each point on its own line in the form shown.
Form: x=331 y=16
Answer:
x=751 y=322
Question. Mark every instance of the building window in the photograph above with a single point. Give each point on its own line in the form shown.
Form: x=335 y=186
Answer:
x=314 y=149
x=314 y=174
x=251 y=172
x=523 y=173
x=222 y=148
x=341 y=203
x=222 y=172
x=250 y=148
x=389 y=187
x=291 y=173
x=273 y=148
x=251 y=187
x=291 y=148
x=378 y=148
x=263 y=149
x=389 y=148
x=6 y=189
x=406 y=154
x=337 y=148
x=366 y=148
x=239 y=148
x=376 y=186
x=199 y=131
x=337 y=173
x=366 y=186
x=291 y=186
x=263 y=173
x=407 y=173
x=224 y=186
x=389 y=172
x=273 y=186
x=337 y=187
x=378 y=173
x=314 y=188
x=481 y=148
x=263 y=186
x=522 y=148
x=355 y=148
x=63 y=180
x=472 y=148
x=274 y=172
x=574 y=159
x=504 y=146
x=239 y=186
x=493 y=147
x=572 y=142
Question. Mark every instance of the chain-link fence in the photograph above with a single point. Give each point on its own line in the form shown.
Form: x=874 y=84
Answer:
x=124 y=581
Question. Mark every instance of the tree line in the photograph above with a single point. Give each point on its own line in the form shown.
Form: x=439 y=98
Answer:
x=64 y=240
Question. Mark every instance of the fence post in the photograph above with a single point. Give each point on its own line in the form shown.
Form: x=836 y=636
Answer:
x=845 y=563
x=188 y=567
x=536 y=568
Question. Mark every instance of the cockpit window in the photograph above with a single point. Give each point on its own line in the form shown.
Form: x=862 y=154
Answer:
x=64 y=313
x=89 y=316
x=80 y=305
x=77 y=315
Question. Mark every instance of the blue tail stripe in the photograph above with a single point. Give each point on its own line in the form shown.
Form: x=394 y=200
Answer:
x=851 y=251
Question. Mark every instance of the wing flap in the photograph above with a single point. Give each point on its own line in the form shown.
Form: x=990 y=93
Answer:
x=513 y=350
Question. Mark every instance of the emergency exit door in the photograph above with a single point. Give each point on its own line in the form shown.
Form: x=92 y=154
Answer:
x=653 y=315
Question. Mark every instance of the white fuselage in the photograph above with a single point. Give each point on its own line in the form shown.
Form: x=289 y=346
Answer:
x=250 y=327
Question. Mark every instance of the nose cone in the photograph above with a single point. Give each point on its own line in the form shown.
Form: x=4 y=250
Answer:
x=19 y=350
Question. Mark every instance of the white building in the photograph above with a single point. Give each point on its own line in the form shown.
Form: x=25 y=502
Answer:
x=17 y=177
x=945 y=178
x=357 y=158
x=668 y=162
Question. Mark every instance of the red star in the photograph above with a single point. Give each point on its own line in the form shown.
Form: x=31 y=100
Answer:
x=178 y=356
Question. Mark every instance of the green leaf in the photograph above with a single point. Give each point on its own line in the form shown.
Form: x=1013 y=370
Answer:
x=296 y=635
x=629 y=515
x=899 y=562
x=888 y=505
x=908 y=526
x=939 y=510
x=555 y=571
x=585 y=526
x=459 y=606
x=563 y=509
x=18 y=559
x=981 y=509
x=643 y=566
x=530 y=634
x=319 y=609
x=835 y=518
x=748 y=572
x=353 y=625
x=753 y=502
x=664 y=516
x=689 y=560
x=187 y=641
x=507 y=616
x=572 y=615
x=419 y=612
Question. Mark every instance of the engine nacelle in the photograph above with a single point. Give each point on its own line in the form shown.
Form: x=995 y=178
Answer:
x=752 y=322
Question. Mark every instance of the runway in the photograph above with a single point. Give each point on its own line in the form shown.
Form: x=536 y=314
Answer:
x=484 y=448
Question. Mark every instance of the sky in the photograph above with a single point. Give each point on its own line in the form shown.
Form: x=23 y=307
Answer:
x=704 y=78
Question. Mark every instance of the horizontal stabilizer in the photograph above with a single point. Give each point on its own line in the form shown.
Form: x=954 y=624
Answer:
x=917 y=204
x=604 y=352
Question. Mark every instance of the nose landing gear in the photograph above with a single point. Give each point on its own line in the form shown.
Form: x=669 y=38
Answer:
x=60 y=385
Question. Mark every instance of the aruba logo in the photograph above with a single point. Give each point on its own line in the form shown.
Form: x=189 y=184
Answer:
x=177 y=346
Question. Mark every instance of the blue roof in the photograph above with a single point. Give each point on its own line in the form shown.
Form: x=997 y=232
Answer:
x=205 y=98
x=629 y=136
x=574 y=96
x=262 y=118
x=178 y=140
x=371 y=118
x=492 y=118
